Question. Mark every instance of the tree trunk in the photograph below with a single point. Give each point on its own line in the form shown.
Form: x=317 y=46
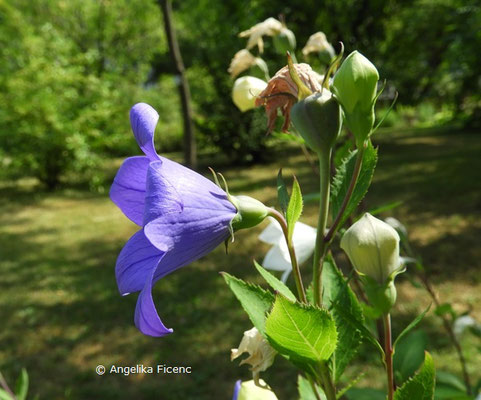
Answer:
x=190 y=150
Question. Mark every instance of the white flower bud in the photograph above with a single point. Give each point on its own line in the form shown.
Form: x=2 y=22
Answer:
x=245 y=91
x=261 y=354
x=250 y=391
x=373 y=248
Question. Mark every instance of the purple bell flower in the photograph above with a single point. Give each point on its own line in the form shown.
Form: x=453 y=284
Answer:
x=183 y=217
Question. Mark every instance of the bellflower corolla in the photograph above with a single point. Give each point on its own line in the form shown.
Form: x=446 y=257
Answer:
x=183 y=216
x=278 y=258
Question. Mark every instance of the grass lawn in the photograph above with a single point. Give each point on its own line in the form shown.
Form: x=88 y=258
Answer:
x=61 y=314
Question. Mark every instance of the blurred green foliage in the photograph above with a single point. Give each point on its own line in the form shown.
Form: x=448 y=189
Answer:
x=71 y=70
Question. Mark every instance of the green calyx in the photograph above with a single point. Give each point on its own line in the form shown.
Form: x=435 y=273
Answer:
x=381 y=296
x=318 y=119
x=250 y=212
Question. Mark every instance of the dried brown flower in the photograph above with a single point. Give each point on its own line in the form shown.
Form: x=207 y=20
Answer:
x=281 y=92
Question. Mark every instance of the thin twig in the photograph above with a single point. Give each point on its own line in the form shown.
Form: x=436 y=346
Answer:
x=357 y=169
x=449 y=329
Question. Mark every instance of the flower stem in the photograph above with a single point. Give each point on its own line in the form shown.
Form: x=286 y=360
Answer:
x=355 y=175
x=321 y=244
x=388 y=350
x=290 y=246
x=327 y=383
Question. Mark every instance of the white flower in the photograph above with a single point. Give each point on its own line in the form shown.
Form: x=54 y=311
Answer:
x=261 y=354
x=462 y=323
x=250 y=391
x=245 y=91
x=277 y=258
x=242 y=60
x=373 y=248
x=317 y=43
x=269 y=27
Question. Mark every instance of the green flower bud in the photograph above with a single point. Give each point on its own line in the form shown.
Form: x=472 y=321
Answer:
x=250 y=212
x=285 y=41
x=373 y=248
x=318 y=119
x=245 y=91
x=355 y=85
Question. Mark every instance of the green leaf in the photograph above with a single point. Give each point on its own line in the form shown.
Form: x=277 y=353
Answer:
x=275 y=283
x=305 y=389
x=409 y=355
x=342 y=152
x=351 y=384
x=294 y=209
x=21 y=388
x=442 y=392
x=304 y=333
x=366 y=334
x=282 y=194
x=445 y=308
x=255 y=300
x=342 y=180
x=337 y=294
x=421 y=386
x=448 y=379
x=411 y=326
x=450 y=387
x=385 y=207
x=4 y=395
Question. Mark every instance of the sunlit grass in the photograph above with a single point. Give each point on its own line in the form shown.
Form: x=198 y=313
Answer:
x=61 y=314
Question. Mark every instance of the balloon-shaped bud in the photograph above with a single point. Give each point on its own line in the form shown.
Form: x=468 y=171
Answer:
x=250 y=212
x=250 y=391
x=373 y=248
x=318 y=119
x=285 y=41
x=355 y=85
x=245 y=91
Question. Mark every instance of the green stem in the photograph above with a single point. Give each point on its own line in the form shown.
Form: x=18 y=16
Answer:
x=327 y=383
x=355 y=175
x=290 y=246
x=314 y=388
x=388 y=350
x=321 y=244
